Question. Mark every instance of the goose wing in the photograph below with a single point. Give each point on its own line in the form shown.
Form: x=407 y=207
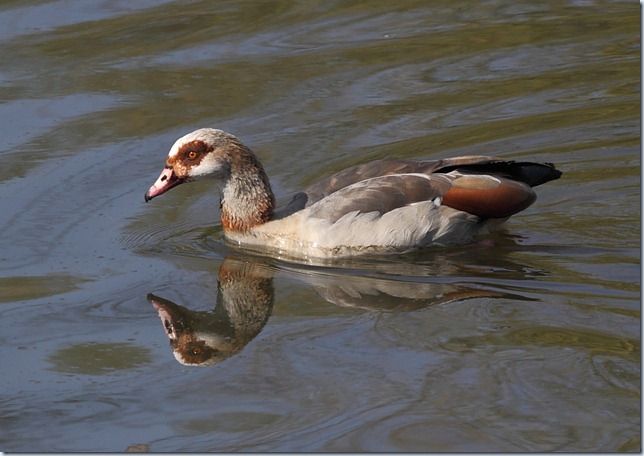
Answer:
x=381 y=195
x=481 y=185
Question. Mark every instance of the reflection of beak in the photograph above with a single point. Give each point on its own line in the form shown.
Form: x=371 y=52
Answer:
x=171 y=321
x=167 y=180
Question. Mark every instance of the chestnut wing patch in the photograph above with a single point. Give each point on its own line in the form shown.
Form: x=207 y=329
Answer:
x=381 y=195
x=489 y=196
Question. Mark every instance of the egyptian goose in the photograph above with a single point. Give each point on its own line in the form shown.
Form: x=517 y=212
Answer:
x=384 y=206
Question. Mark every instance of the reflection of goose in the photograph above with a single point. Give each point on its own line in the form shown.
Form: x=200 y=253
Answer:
x=379 y=207
x=244 y=303
x=394 y=287
x=386 y=295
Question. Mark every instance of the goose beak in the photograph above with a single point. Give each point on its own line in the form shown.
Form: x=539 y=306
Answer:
x=167 y=180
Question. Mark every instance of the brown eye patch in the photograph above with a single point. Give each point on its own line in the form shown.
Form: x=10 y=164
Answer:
x=194 y=150
x=190 y=154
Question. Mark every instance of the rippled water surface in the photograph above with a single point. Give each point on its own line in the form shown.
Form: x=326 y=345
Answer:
x=528 y=341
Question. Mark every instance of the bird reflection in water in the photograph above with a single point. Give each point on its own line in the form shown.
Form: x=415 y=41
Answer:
x=245 y=301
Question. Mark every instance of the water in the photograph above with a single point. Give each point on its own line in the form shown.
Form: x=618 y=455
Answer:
x=527 y=342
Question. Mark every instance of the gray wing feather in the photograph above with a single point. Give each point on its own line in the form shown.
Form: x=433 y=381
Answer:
x=380 y=195
x=386 y=167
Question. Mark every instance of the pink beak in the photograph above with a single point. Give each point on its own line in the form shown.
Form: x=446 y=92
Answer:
x=165 y=182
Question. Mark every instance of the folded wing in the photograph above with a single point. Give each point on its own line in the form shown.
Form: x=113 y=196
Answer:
x=381 y=195
x=488 y=187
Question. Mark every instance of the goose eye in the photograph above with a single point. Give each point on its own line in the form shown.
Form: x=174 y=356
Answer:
x=192 y=155
x=196 y=350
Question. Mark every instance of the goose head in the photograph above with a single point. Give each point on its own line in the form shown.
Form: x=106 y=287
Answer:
x=246 y=196
x=203 y=153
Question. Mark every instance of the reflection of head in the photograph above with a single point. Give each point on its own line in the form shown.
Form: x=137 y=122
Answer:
x=198 y=349
x=244 y=303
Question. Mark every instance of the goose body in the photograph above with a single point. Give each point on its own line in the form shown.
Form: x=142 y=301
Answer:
x=384 y=206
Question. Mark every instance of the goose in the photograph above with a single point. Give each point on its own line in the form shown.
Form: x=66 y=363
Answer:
x=380 y=207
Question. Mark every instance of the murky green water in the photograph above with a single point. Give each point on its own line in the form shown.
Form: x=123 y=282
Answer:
x=529 y=342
